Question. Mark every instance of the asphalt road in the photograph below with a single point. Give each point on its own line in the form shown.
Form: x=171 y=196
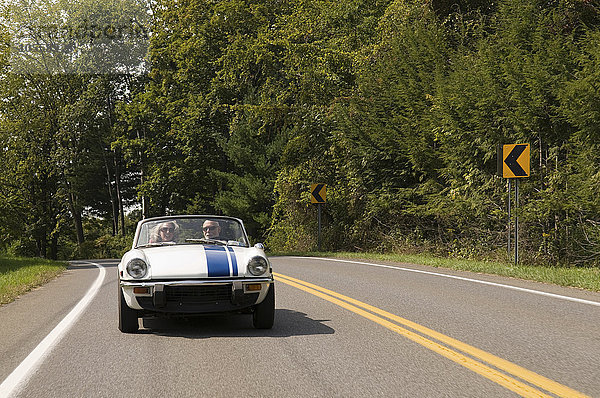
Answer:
x=342 y=329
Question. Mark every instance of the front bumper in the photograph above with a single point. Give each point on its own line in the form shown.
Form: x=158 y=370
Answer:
x=195 y=296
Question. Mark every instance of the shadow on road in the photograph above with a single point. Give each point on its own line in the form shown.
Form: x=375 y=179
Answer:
x=287 y=323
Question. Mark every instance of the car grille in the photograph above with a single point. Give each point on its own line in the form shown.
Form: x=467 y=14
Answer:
x=197 y=299
x=198 y=294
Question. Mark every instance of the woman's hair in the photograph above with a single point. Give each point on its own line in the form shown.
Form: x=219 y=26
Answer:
x=155 y=236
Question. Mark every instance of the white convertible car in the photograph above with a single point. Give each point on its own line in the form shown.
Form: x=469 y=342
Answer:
x=190 y=265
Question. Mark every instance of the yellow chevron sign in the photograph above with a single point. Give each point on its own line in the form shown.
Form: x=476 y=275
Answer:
x=317 y=193
x=515 y=160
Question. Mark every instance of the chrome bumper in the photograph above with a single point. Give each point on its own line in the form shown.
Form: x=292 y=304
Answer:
x=237 y=283
x=194 y=295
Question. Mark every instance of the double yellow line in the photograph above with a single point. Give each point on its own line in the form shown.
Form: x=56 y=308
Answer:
x=444 y=346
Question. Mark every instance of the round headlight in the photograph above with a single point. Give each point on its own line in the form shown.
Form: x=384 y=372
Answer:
x=258 y=266
x=137 y=268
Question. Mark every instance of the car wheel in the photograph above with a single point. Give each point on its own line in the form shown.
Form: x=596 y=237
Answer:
x=264 y=313
x=128 y=318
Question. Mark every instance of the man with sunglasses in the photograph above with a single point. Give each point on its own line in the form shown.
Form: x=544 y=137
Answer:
x=211 y=229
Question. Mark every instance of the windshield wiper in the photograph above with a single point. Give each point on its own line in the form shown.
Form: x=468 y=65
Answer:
x=157 y=244
x=204 y=240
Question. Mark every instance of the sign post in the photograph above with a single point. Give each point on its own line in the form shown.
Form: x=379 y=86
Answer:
x=509 y=215
x=318 y=196
x=319 y=233
x=514 y=162
x=516 y=222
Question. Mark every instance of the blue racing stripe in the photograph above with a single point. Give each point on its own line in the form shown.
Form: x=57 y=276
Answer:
x=216 y=261
x=233 y=261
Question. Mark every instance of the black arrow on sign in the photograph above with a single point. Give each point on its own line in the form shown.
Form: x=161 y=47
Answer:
x=511 y=161
x=315 y=193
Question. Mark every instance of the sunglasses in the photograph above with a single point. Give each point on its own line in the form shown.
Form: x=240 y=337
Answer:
x=166 y=229
x=210 y=228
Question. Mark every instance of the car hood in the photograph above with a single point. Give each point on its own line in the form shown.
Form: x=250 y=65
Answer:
x=195 y=261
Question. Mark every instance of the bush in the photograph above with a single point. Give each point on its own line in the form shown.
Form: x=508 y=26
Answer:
x=106 y=246
x=109 y=246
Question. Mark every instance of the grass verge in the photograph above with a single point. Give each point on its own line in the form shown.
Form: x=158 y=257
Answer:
x=578 y=277
x=20 y=275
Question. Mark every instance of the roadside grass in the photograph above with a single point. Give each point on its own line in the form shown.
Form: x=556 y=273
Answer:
x=587 y=278
x=19 y=275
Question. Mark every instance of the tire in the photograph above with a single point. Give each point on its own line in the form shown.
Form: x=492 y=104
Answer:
x=263 y=316
x=128 y=318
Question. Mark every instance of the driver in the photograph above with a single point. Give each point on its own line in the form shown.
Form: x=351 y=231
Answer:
x=211 y=229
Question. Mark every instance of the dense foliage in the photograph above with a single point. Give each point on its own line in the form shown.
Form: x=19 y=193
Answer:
x=398 y=106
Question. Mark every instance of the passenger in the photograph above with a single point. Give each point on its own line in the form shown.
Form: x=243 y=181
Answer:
x=167 y=231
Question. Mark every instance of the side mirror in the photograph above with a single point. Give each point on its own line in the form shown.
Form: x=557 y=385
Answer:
x=259 y=246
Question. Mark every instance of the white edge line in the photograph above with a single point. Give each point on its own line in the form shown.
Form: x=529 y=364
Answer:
x=18 y=378
x=521 y=289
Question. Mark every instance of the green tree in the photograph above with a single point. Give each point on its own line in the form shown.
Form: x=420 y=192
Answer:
x=57 y=119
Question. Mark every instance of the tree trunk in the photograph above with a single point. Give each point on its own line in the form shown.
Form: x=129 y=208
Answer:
x=41 y=247
x=77 y=220
x=119 y=197
x=145 y=207
x=53 y=250
x=113 y=204
x=75 y=212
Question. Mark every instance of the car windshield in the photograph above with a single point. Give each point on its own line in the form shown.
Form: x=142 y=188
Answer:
x=191 y=230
